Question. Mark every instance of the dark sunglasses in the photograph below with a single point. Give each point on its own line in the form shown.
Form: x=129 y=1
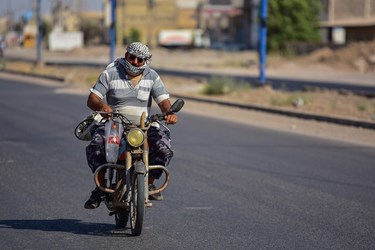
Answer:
x=132 y=57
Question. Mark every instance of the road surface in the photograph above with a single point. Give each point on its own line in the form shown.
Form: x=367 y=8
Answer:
x=233 y=186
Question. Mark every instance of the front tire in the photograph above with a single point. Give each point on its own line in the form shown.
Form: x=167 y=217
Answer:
x=137 y=204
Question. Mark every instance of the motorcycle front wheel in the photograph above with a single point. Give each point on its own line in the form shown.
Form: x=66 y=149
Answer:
x=137 y=203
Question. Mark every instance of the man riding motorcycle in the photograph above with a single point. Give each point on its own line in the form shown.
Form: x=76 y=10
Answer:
x=129 y=85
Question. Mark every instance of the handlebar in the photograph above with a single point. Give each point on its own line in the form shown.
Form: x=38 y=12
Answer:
x=157 y=117
x=176 y=106
x=126 y=121
x=123 y=118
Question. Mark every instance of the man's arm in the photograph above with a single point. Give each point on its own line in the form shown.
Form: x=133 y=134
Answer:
x=164 y=107
x=96 y=104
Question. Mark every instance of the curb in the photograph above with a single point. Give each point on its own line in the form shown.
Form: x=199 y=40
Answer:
x=306 y=116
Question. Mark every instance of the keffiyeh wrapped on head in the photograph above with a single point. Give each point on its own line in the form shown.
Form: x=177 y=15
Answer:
x=139 y=50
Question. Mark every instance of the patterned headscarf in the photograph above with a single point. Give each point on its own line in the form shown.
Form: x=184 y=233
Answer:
x=139 y=50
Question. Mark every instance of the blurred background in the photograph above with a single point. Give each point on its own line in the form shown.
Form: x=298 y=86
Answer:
x=294 y=26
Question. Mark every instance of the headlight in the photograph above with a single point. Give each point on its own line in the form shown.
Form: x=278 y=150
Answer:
x=135 y=137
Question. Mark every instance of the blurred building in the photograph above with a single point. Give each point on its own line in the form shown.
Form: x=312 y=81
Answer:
x=231 y=24
x=348 y=20
x=3 y=25
x=66 y=31
x=69 y=19
x=64 y=17
x=225 y=22
x=149 y=17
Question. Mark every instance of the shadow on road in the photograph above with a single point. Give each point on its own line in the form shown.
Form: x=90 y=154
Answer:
x=64 y=225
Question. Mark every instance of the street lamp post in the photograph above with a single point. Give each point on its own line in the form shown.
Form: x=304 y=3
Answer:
x=151 y=5
x=112 y=31
x=263 y=42
x=39 y=33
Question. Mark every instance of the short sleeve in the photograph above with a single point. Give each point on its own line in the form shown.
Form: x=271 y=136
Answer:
x=101 y=86
x=159 y=92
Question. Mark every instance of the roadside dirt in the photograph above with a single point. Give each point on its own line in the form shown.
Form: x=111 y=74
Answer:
x=356 y=57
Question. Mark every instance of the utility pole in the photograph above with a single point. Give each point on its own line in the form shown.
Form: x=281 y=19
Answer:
x=253 y=20
x=39 y=33
x=112 y=31
x=263 y=42
x=151 y=5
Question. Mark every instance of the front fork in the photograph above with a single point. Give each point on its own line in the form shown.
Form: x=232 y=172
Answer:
x=140 y=167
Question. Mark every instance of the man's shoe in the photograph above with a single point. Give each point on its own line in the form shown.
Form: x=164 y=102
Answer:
x=155 y=197
x=95 y=199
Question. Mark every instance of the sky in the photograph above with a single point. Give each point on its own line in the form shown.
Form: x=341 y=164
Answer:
x=18 y=7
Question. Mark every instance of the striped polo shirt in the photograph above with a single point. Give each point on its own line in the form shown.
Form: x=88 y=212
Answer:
x=114 y=84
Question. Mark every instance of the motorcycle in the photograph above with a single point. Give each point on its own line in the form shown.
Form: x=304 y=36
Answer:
x=126 y=185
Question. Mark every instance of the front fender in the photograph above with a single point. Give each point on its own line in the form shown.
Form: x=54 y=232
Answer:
x=140 y=167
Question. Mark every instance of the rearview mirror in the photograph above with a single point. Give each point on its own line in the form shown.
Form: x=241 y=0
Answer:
x=176 y=106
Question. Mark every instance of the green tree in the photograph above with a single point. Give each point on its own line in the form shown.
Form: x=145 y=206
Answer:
x=292 y=21
x=134 y=36
x=46 y=29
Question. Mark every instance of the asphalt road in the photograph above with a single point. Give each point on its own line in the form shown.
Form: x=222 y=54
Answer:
x=232 y=187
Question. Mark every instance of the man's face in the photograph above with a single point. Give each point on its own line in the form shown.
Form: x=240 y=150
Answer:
x=135 y=61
